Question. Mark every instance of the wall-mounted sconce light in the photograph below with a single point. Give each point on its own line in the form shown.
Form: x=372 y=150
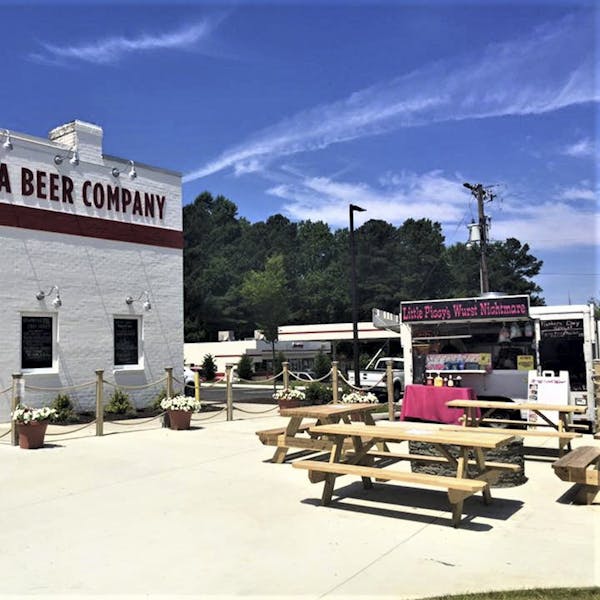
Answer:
x=57 y=302
x=7 y=142
x=74 y=160
x=58 y=159
x=115 y=172
x=147 y=305
x=132 y=172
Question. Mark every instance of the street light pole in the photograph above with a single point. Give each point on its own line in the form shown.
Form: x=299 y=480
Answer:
x=480 y=193
x=353 y=208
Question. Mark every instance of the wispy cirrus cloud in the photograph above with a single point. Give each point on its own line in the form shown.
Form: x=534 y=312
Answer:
x=111 y=50
x=551 y=68
x=581 y=149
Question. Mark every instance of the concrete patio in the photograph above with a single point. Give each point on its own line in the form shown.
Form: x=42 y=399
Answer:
x=149 y=512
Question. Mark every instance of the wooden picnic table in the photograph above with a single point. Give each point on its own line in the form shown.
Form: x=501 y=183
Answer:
x=477 y=412
x=362 y=462
x=325 y=414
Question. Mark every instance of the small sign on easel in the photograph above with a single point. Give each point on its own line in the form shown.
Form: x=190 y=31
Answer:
x=547 y=388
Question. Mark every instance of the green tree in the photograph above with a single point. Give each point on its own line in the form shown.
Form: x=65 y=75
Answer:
x=245 y=367
x=209 y=367
x=266 y=295
x=322 y=364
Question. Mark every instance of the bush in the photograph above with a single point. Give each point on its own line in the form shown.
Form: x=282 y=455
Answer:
x=158 y=399
x=318 y=393
x=244 y=367
x=119 y=404
x=209 y=367
x=64 y=409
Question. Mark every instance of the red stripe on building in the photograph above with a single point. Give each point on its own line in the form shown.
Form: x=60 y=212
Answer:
x=25 y=217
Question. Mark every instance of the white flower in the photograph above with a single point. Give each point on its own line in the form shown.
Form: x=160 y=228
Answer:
x=289 y=394
x=364 y=397
x=186 y=403
x=26 y=414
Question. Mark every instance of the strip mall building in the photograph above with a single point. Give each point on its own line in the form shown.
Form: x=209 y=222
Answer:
x=92 y=267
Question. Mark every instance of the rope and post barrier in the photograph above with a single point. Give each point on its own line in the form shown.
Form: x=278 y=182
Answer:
x=99 y=402
x=17 y=398
x=229 y=393
x=169 y=387
x=334 y=381
x=390 y=389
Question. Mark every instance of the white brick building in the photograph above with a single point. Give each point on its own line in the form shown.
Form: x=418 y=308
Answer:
x=92 y=230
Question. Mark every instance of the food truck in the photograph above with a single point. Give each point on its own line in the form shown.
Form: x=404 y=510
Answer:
x=496 y=343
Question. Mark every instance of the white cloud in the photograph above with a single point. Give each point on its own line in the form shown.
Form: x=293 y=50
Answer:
x=581 y=192
x=549 y=69
x=113 y=49
x=406 y=195
x=581 y=149
x=441 y=198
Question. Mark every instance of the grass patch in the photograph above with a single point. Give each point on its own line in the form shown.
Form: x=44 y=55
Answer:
x=534 y=594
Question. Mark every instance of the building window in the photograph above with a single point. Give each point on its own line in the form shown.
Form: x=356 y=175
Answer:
x=127 y=341
x=38 y=334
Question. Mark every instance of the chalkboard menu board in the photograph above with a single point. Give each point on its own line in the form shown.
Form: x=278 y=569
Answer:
x=564 y=328
x=126 y=342
x=36 y=342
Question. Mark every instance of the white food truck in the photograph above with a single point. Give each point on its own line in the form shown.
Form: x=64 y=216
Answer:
x=495 y=343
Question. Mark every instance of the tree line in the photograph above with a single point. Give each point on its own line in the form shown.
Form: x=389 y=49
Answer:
x=244 y=276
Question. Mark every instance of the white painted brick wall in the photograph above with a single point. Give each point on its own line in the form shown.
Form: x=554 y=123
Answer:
x=94 y=276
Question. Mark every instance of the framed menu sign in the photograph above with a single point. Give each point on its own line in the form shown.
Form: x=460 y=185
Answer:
x=563 y=328
x=126 y=342
x=36 y=342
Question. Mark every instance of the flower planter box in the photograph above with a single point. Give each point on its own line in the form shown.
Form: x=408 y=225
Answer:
x=31 y=435
x=180 y=419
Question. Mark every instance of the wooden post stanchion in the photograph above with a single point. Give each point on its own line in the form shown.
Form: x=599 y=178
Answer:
x=334 y=381
x=99 y=402
x=286 y=375
x=390 y=388
x=17 y=398
x=169 y=372
x=197 y=386
x=229 y=393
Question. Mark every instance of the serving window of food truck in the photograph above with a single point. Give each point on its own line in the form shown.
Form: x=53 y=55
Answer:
x=474 y=337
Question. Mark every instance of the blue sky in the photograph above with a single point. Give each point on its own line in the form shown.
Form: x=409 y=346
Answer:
x=301 y=108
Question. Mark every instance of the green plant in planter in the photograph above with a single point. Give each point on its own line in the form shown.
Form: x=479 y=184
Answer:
x=318 y=393
x=119 y=404
x=209 y=367
x=64 y=409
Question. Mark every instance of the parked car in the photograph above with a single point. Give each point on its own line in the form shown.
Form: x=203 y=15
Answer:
x=303 y=375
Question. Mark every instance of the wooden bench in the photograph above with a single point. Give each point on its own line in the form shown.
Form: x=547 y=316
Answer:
x=458 y=488
x=564 y=437
x=269 y=436
x=582 y=467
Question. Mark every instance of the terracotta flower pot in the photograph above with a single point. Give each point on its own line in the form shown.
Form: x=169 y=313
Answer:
x=31 y=435
x=180 y=419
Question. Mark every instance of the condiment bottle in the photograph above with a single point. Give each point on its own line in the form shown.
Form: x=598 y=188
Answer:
x=438 y=381
x=429 y=380
x=458 y=381
x=450 y=381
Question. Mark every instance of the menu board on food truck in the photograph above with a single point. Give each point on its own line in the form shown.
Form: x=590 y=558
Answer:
x=465 y=309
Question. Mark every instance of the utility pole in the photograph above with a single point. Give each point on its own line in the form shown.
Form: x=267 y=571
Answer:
x=481 y=194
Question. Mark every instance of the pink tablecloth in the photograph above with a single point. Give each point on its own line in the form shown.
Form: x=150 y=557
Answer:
x=428 y=403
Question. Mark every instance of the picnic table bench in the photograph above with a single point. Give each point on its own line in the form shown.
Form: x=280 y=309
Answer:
x=476 y=412
x=291 y=436
x=582 y=467
x=361 y=462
